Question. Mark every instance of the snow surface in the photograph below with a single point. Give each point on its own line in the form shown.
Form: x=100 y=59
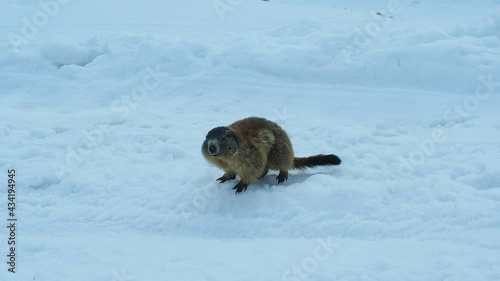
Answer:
x=104 y=106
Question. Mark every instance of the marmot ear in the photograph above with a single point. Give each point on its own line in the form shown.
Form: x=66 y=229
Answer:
x=232 y=135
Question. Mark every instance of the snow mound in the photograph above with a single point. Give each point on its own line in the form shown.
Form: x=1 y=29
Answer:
x=63 y=52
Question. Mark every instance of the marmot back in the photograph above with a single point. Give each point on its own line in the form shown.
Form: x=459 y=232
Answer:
x=253 y=146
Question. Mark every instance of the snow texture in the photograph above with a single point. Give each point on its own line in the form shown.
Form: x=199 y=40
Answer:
x=104 y=106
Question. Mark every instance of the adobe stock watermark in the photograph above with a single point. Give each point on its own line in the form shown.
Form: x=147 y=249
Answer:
x=199 y=200
x=31 y=26
x=364 y=36
x=93 y=138
x=222 y=7
x=425 y=148
x=310 y=264
x=283 y=116
x=122 y=275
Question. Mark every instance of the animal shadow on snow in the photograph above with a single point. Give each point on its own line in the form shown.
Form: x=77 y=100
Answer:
x=269 y=181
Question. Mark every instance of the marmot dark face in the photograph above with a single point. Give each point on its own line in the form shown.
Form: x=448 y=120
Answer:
x=220 y=142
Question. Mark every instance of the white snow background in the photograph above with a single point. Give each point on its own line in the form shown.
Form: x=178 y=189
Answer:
x=104 y=106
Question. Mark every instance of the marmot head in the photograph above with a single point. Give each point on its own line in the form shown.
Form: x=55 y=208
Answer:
x=220 y=142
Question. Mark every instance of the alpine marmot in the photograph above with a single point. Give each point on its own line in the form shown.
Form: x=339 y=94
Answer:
x=253 y=146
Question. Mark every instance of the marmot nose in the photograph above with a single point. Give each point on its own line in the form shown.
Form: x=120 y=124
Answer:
x=213 y=149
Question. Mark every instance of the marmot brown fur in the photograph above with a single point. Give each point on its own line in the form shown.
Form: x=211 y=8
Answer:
x=252 y=146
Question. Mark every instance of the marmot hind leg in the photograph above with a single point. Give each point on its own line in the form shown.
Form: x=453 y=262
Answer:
x=281 y=156
x=283 y=176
